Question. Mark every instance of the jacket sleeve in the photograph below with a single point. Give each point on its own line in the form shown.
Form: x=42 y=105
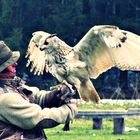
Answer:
x=14 y=109
x=38 y=96
x=53 y=98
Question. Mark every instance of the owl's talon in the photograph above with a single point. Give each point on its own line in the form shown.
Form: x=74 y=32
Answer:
x=69 y=86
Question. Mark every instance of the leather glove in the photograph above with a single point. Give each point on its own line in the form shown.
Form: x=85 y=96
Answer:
x=59 y=95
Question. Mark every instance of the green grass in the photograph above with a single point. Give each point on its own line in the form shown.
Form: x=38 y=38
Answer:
x=82 y=130
x=109 y=105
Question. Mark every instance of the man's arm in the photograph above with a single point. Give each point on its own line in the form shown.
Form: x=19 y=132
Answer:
x=57 y=96
x=14 y=109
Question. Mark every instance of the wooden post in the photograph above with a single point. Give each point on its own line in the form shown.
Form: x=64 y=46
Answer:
x=97 y=123
x=66 y=126
x=119 y=125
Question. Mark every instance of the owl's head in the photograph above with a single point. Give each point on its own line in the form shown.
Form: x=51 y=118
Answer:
x=49 y=42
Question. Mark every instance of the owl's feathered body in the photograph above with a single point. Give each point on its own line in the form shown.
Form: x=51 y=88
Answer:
x=102 y=48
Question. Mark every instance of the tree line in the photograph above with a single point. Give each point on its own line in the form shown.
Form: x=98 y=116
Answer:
x=70 y=19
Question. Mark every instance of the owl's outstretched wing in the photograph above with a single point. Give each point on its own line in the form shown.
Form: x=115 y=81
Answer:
x=45 y=53
x=35 y=55
x=104 y=47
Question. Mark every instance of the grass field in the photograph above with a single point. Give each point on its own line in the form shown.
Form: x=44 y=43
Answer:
x=81 y=129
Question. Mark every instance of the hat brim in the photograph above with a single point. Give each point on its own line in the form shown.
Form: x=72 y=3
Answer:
x=13 y=59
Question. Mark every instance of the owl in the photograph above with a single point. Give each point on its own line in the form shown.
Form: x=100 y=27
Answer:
x=101 y=48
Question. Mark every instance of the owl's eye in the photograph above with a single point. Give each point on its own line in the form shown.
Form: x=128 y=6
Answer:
x=46 y=42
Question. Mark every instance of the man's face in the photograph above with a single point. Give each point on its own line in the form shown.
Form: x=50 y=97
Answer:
x=12 y=68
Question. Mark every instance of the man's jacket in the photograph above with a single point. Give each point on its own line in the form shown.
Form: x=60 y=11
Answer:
x=23 y=112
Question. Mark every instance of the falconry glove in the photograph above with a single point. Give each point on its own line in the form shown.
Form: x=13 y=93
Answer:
x=58 y=95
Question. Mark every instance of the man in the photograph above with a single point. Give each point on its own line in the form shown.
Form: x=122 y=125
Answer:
x=25 y=111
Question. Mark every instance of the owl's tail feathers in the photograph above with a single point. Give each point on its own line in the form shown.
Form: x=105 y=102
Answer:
x=88 y=92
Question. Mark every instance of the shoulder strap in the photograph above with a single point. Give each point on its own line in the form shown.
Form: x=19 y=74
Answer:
x=3 y=89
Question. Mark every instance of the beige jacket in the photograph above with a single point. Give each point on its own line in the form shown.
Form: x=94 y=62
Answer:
x=16 y=110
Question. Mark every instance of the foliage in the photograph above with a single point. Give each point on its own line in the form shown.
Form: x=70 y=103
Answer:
x=70 y=19
x=15 y=39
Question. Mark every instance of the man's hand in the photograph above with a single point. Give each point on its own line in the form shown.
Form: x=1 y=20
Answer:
x=63 y=93
x=59 y=95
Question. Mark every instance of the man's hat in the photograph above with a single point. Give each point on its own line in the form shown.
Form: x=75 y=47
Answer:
x=7 y=57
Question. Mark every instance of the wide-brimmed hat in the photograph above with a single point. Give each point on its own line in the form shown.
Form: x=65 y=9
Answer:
x=7 y=57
